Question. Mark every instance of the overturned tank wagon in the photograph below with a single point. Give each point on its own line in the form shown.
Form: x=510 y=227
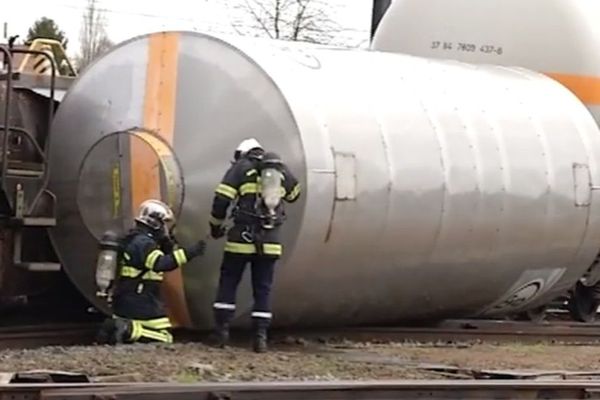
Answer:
x=431 y=189
x=560 y=42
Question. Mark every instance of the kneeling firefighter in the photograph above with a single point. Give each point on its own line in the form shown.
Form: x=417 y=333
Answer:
x=142 y=257
x=256 y=182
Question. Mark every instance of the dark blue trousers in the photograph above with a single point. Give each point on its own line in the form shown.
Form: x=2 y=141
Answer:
x=232 y=268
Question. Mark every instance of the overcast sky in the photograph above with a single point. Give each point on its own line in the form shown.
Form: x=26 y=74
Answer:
x=128 y=18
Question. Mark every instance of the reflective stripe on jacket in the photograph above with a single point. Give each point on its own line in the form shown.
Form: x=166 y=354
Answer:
x=240 y=187
x=142 y=264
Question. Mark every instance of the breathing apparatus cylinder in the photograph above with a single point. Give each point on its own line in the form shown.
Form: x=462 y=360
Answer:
x=106 y=264
x=271 y=189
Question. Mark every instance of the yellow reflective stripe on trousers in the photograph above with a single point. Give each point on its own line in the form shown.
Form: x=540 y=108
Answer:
x=159 y=336
x=294 y=193
x=138 y=331
x=152 y=257
x=248 y=188
x=131 y=272
x=180 y=257
x=272 y=249
x=158 y=323
x=226 y=190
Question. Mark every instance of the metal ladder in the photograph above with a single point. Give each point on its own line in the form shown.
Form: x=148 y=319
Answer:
x=27 y=203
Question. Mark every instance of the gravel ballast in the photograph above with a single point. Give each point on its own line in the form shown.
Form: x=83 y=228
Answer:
x=196 y=362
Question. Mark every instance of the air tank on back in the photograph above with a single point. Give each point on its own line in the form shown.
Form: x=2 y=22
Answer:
x=430 y=188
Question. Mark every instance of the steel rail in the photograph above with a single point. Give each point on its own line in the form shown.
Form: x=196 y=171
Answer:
x=20 y=336
x=337 y=390
x=46 y=335
x=459 y=330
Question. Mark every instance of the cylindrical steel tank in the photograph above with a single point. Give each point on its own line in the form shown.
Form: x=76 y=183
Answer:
x=431 y=188
x=559 y=38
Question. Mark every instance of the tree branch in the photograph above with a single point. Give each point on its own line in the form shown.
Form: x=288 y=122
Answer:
x=307 y=20
x=258 y=19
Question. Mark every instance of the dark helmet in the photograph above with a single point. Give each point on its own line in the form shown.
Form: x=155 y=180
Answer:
x=271 y=160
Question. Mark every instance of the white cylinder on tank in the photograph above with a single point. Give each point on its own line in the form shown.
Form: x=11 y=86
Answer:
x=559 y=38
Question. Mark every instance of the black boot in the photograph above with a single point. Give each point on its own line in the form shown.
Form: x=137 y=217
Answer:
x=222 y=335
x=221 y=332
x=106 y=333
x=260 y=337
x=123 y=330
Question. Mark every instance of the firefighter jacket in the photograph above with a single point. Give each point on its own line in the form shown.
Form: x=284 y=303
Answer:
x=241 y=186
x=142 y=263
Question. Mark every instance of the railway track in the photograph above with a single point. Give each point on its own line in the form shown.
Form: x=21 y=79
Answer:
x=465 y=330
x=558 y=331
x=454 y=330
x=64 y=334
x=315 y=390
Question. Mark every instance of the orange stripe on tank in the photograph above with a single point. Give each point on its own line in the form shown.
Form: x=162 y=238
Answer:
x=586 y=88
x=159 y=116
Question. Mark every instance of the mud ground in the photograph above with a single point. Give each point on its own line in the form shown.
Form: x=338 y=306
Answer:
x=298 y=359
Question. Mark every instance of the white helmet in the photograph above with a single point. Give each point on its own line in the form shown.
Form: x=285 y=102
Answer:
x=155 y=214
x=245 y=146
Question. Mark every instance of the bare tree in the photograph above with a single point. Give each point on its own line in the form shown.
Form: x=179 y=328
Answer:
x=93 y=38
x=298 y=20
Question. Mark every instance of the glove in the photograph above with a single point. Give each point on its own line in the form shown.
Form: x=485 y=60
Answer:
x=217 y=231
x=164 y=241
x=196 y=249
x=167 y=241
x=167 y=245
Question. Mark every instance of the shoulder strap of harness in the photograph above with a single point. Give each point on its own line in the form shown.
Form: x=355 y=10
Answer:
x=123 y=243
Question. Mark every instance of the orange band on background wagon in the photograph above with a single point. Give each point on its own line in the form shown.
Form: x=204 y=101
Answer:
x=586 y=88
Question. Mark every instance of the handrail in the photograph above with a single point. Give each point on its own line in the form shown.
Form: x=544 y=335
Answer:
x=31 y=139
x=7 y=56
x=50 y=117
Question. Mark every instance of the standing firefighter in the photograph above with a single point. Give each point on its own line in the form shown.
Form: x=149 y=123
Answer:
x=144 y=254
x=256 y=182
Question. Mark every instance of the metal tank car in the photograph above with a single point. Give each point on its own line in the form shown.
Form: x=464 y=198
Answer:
x=432 y=189
x=559 y=38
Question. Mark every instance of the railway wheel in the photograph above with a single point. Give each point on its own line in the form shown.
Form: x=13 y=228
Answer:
x=536 y=315
x=583 y=303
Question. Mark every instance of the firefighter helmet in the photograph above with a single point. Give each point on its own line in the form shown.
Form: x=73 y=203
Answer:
x=155 y=214
x=245 y=146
